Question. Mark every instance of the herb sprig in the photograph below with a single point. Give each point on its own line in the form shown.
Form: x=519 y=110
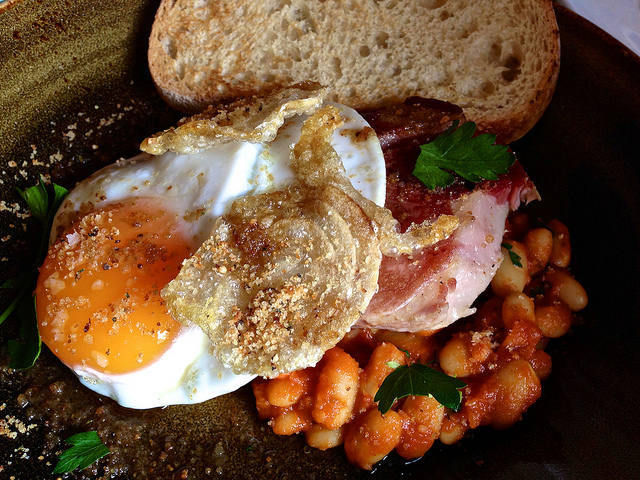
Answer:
x=87 y=447
x=458 y=152
x=513 y=256
x=419 y=379
x=43 y=206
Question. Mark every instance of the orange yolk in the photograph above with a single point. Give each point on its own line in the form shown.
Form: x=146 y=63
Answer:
x=98 y=292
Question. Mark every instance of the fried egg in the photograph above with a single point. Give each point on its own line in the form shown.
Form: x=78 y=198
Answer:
x=123 y=233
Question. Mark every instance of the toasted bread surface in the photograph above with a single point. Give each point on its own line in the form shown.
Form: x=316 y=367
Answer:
x=497 y=59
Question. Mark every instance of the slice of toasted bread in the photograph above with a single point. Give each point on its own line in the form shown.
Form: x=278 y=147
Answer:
x=497 y=59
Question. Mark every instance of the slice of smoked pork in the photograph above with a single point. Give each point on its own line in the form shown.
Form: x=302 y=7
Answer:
x=436 y=286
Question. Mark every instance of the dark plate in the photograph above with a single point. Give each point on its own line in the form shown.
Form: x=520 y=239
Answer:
x=75 y=94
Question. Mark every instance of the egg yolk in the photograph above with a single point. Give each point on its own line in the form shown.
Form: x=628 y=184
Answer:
x=98 y=294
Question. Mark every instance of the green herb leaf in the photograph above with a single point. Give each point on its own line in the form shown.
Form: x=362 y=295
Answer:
x=37 y=199
x=393 y=364
x=43 y=206
x=25 y=352
x=418 y=379
x=458 y=152
x=87 y=448
x=515 y=258
x=19 y=283
x=15 y=282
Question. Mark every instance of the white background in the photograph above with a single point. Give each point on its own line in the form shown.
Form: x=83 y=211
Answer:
x=620 y=18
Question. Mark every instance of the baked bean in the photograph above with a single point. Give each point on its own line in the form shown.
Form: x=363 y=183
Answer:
x=336 y=389
x=567 y=288
x=422 y=425
x=521 y=341
x=561 y=251
x=457 y=356
x=454 y=426
x=371 y=436
x=518 y=388
x=541 y=363
x=553 y=320
x=479 y=401
x=323 y=438
x=287 y=389
x=376 y=371
x=291 y=420
x=517 y=306
x=265 y=409
x=511 y=278
x=421 y=348
x=539 y=243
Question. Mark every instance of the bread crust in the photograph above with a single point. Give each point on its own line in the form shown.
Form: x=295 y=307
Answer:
x=497 y=59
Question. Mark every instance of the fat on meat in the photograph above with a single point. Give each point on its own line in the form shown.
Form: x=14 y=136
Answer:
x=436 y=286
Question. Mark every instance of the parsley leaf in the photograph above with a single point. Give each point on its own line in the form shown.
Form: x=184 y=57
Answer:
x=458 y=152
x=37 y=199
x=418 y=379
x=86 y=449
x=393 y=364
x=25 y=352
x=515 y=258
x=43 y=206
x=17 y=283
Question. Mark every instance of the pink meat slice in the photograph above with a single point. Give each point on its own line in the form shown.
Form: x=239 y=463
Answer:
x=436 y=286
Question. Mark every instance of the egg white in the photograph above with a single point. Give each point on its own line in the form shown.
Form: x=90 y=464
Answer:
x=201 y=187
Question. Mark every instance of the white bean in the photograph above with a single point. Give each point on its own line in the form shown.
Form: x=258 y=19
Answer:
x=372 y=436
x=553 y=320
x=539 y=243
x=336 y=389
x=517 y=306
x=452 y=430
x=323 y=438
x=568 y=289
x=513 y=274
x=561 y=251
x=518 y=388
